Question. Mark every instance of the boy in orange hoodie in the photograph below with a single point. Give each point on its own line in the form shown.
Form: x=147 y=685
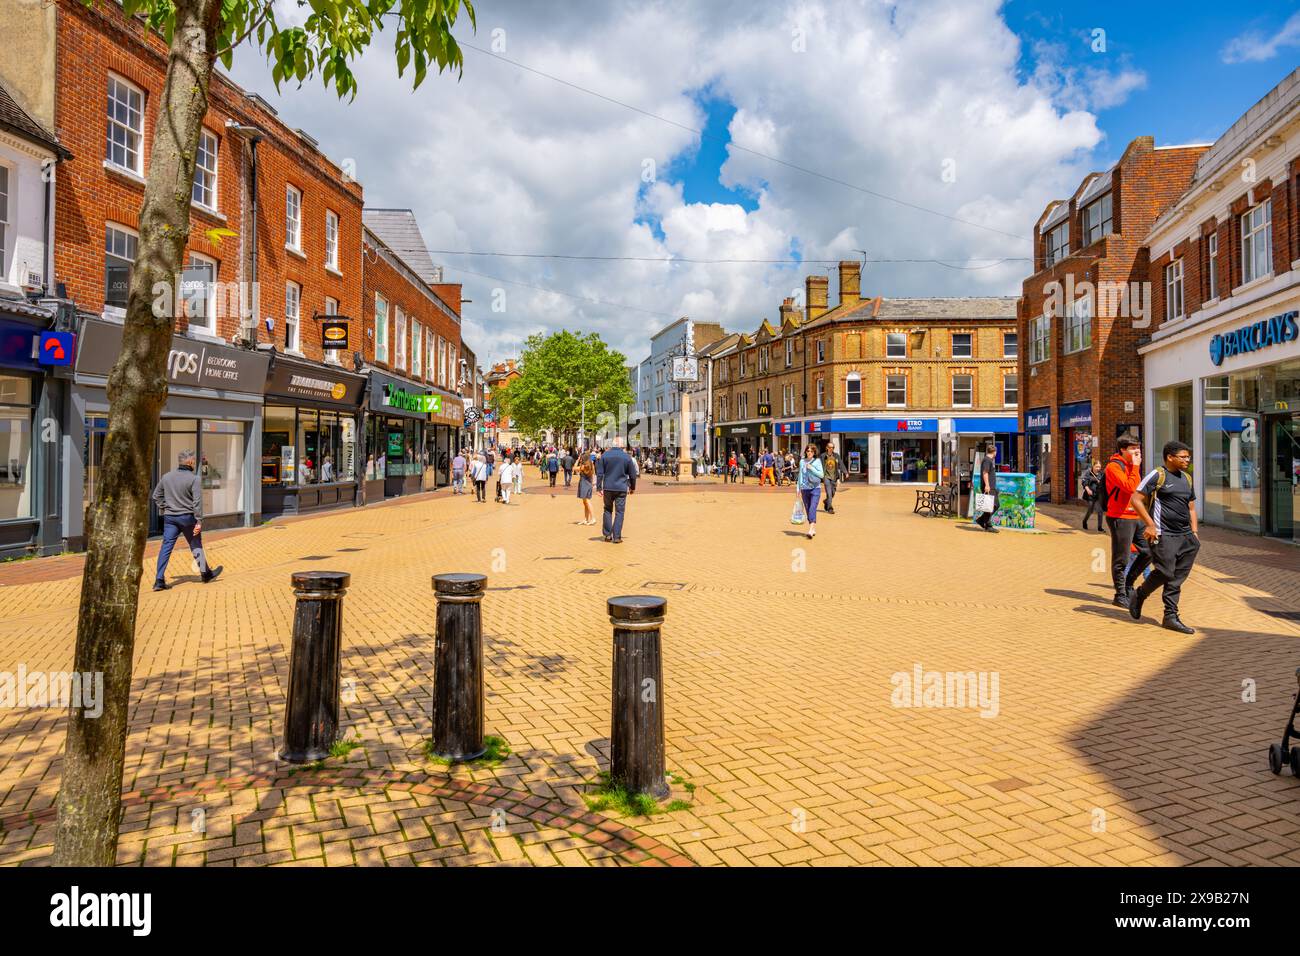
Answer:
x=1122 y=475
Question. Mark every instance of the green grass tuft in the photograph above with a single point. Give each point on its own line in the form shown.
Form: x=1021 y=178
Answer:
x=497 y=750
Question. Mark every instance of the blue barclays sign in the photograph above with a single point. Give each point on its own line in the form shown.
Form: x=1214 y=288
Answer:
x=1251 y=338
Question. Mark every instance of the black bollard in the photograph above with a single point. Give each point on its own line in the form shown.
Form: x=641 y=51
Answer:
x=311 y=713
x=637 y=723
x=458 y=667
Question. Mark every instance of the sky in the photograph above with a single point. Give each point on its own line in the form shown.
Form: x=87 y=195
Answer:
x=642 y=134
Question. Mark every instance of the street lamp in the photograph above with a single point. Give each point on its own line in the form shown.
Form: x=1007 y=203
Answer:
x=582 y=428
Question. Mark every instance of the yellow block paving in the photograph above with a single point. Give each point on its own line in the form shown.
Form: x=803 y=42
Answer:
x=1108 y=741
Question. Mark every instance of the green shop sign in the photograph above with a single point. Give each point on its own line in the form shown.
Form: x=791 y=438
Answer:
x=423 y=402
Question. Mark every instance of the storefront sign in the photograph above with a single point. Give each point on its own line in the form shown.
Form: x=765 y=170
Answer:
x=911 y=425
x=16 y=345
x=1038 y=421
x=334 y=334
x=56 y=348
x=789 y=428
x=1075 y=415
x=1263 y=334
x=426 y=403
x=299 y=380
x=190 y=362
x=472 y=415
x=764 y=410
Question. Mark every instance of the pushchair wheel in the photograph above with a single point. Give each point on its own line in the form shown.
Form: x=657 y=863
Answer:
x=1276 y=758
x=1295 y=761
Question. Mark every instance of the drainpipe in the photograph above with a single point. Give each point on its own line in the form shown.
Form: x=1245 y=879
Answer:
x=254 y=137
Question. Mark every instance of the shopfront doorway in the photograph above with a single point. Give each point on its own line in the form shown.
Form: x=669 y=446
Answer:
x=1282 y=432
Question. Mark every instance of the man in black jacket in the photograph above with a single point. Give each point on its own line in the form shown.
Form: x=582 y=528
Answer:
x=179 y=500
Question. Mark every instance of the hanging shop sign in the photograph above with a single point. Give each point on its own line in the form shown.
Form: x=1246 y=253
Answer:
x=472 y=414
x=764 y=410
x=56 y=348
x=334 y=334
x=1263 y=334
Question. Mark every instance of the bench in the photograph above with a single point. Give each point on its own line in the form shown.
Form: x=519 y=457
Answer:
x=937 y=502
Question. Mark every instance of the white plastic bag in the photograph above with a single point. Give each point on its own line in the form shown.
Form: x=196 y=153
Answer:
x=985 y=503
x=797 y=516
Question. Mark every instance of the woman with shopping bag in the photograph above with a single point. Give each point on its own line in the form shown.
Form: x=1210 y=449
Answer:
x=809 y=486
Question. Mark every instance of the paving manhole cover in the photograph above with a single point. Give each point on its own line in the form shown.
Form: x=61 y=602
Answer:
x=559 y=557
x=665 y=585
x=349 y=550
x=314 y=557
x=590 y=571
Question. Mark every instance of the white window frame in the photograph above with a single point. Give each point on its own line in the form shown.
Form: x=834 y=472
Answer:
x=1014 y=339
x=970 y=345
x=853 y=378
x=1078 y=326
x=889 y=403
x=1222 y=392
x=1094 y=228
x=208 y=323
x=821 y=392
x=1213 y=256
x=417 y=349
x=204 y=191
x=399 y=339
x=789 y=353
x=970 y=389
x=1040 y=340
x=889 y=345
x=132 y=144
x=821 y=351
x=292 y=218
x=7 y=191
x=1057 y=246
x=1257 y=242
x=381 y=329
x=442 y=362
x=292 y=317
x=762 y=359
x=134 y=241
x=1174 y=290
x=1013 y=377
x=331 y=240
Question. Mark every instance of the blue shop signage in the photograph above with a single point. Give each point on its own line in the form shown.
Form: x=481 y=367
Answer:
x=1075 y=415
x=1276 y=330
x=1038 y=421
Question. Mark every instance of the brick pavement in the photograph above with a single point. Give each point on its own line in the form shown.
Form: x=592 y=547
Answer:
x=1113 y=742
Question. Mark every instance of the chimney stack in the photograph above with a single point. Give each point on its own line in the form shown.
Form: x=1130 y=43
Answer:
x=850 y=282
x=790 y=312
x=815 y=296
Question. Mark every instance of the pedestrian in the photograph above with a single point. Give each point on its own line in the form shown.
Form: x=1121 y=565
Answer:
x=179 y=500
x=479 y=474
x=810 y=486
x=1120 y=479
x=831 y=479
x=553 y=466
x=1165 y=503
x=1092 y=494
x=506 y=480
x=567 y=464
x=619 y=470
x=743 y=462
x=458 y=474
x=518 y=473
x=595 y=464
x=766 y=469
x=586 y=469
x=732 y=468
x=989 y=487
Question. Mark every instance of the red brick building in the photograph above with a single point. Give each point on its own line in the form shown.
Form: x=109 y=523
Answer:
x=1085 y=310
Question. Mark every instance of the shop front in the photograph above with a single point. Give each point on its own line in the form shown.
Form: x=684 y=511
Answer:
x=310 y=437
x=883 y=450
x=214 y=409
x=744 y=438
x=788 y=437
x=1229 y=388
x=1038 y=449
x=397 y=420
x=441 y=439
x=1078 y=444
x=30 y=393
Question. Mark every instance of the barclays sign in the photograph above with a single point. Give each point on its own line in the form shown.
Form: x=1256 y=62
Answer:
x=1252 y=338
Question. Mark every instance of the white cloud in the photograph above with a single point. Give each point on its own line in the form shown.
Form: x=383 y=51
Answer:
x=1254 y=46
x=883 y=98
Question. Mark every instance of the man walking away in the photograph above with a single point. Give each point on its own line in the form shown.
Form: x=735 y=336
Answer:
x=567 y=464
x=1165 y=501
x=1120 y=479
x=458 y=474
x=479 y=473
x=618 y=473
x=988 y=486
x=179 y=500
x=1092 y=494
x=830 y=479
x=518 y=472
x=506 y=479
x=553 y=466
x=743 y=462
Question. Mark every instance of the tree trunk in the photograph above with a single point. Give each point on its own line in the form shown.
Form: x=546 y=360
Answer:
x=90 y=802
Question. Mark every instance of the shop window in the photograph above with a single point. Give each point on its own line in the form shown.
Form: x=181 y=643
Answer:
x=279 y=451
x=853 y=391
x=221 y=467
x=1232 y=443
x=896 y=391
x=119 y=258
x=16 y=415
x=963 y=391
x=1257 y=242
